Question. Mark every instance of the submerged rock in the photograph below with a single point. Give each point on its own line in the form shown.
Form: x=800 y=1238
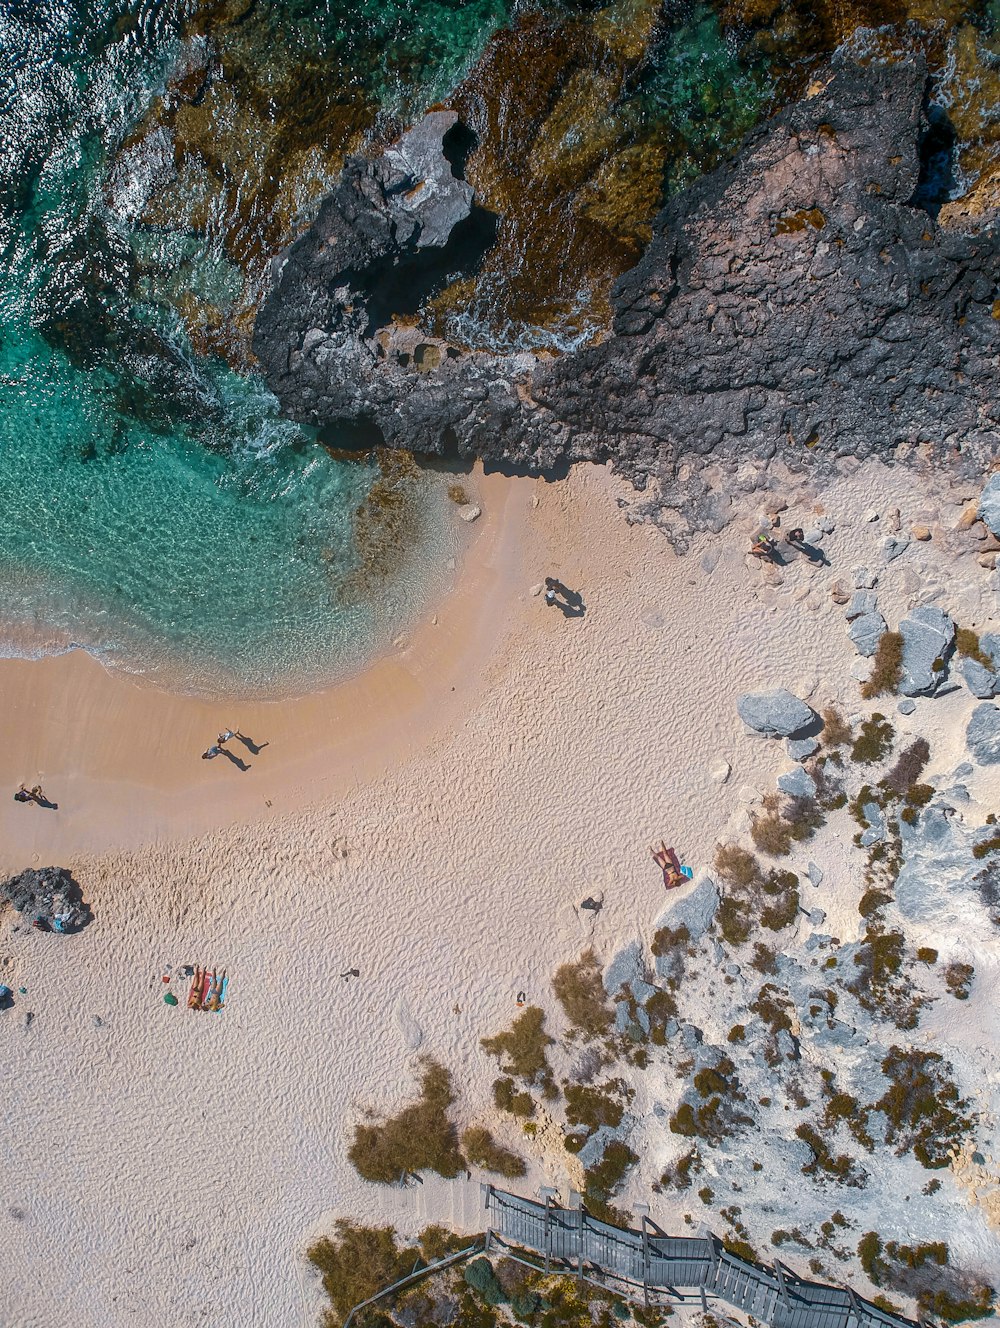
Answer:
x=928 y=635
x=50 y=896
x=982 y=736
x=776 y=714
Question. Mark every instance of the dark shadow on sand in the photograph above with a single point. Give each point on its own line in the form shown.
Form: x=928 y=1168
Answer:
x=255 y=748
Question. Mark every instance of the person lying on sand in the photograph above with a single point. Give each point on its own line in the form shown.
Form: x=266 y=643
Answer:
x=22 y=795
x=669 y=863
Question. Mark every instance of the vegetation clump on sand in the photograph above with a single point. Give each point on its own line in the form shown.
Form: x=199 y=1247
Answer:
x=482 y=1150
x=522 y=1049
x=874 y=742
x=580 y=991
x=926 y=1114
x=923 y=1271
x=421 y=1137
x=357 y=1262
x=887 y=666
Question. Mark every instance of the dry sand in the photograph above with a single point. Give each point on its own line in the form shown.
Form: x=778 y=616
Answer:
x=163 y=1167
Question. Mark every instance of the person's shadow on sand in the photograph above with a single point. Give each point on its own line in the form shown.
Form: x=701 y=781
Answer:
x=255 y=748
x=572 y=604
x=235 y=759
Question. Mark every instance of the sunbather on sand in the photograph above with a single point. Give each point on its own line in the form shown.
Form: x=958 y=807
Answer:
x=669 y=863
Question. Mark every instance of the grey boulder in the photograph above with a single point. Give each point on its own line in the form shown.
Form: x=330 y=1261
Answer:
x=928 y=635
x=980 y=682
x=797 y=782
x=989 y=504
x=866 y=632
x=862 y=602
x=982 y=737
x=776 y=714
x=800 y=749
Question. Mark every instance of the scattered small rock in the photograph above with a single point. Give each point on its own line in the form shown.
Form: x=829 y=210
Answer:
x=894 y=545
x=721 y=771
x=815 y=873
x=837 y=593
x=921 y=533
x=906 y=706
x=869 y=514
x=797 y=782
x=864 y=578
x=862 y=602
x=800 y=749
x=470 y=512
x=980 y=681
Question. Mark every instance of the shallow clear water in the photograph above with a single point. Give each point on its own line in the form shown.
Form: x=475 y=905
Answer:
x=154 y=507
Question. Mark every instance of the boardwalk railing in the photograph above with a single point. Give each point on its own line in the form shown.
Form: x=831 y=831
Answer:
x=660 y=1268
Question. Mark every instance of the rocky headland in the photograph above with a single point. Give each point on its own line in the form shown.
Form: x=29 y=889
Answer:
x=802 y=299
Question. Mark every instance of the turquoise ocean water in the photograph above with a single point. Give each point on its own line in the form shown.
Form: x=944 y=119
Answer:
x=154 y=507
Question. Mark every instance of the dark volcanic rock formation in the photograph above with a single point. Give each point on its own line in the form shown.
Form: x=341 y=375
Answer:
x=799 y=297
x=48 y=895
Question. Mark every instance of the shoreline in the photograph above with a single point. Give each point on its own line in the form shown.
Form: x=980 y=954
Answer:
x=121 y=756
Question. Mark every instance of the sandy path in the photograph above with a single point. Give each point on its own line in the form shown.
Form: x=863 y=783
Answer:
x=166 y=1168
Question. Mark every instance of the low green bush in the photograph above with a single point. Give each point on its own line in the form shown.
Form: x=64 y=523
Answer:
x=419 y=1138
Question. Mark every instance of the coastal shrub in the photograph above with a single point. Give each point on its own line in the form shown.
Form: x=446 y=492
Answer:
x=521 y=1049
x=358 y=1262
x=667 y=940
x=887 y=667
x=420 y=1138
x=958 y=979
x=926 y=1114
x=874 y=742
x=737 y=1033
x=922 y=1271
x=908 y=767
x=986 y=846
x=482 y=1150
x=661 y=1007
x=872 y=901
x=580 y=991
x=765 y=959
x=507 y=1098
x=734 y=919
x=594 y=1107
x=782 y=907
x=967 y=644
x=737 y=866
x=772 y=834
x=480 y=1276
x=880 y=984
x=840 y=1167
x=604 y=1180
x=458 y=495
x=741 y=1248
x=973 y=1301
x=679 y=1175
x=836 y=730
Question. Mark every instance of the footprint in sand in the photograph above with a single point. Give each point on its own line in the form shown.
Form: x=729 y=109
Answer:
x=413 y=1034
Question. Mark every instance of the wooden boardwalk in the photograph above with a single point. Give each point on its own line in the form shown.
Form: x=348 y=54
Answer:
x=660 y=1268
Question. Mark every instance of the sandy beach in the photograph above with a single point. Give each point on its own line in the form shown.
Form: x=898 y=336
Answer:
x=434 y=823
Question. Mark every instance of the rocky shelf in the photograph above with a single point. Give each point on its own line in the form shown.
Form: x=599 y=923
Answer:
x=801 y=298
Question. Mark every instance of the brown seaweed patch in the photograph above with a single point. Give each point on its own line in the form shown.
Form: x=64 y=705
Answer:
x=792 y=222
x=386 y=524
x=557 y=163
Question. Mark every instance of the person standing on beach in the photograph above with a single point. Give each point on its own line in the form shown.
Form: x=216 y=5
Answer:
x=213 y=751
x=223 y=738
